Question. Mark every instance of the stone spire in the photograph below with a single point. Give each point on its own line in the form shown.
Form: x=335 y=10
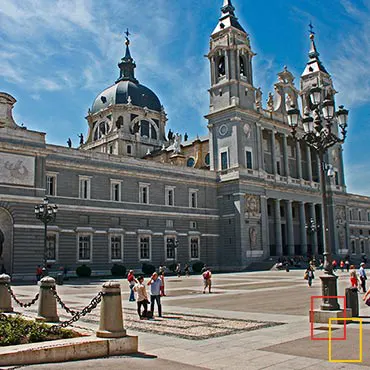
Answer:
x=127 y=65
x=228 y=18
x=314 y=63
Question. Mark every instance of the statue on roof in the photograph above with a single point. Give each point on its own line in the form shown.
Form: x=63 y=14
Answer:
x=177 y=144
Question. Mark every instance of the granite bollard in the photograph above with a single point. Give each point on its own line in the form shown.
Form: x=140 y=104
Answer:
x=47 y=309
x=111 y=317
x=5 y=297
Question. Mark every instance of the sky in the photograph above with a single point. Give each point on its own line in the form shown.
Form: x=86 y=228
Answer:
x=57 y=55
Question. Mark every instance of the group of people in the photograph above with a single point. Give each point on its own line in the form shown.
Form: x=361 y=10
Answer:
x=156 y=284
x=138 y=286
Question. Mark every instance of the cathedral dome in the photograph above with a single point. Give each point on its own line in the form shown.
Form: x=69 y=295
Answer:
x=127 y=88
x=125 y=91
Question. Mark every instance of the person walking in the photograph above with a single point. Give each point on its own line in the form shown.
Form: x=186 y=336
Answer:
x=207 y=281
x=161 y=276
x=363 y=277
x=347 y=265
x=178 y=270
x=155 y=293
x=38 y=273
x=187 y=270
x=334 y=264
x=353 y=276
x=309 y=275
x=131 y=282
x=341 y=265
x=142 y=298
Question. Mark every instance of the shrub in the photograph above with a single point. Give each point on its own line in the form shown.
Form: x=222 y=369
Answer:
x=148 y=269
x=172 y=267
x=118 y=270
x=83 y=271
x=197 y=266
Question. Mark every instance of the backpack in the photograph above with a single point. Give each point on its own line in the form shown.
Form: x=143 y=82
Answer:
x=206 y=275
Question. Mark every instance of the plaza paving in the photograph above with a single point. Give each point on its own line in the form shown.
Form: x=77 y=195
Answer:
x=212 y=331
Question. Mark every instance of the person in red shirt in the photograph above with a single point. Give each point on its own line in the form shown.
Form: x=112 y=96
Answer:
x=38 y=273
x=131 y=282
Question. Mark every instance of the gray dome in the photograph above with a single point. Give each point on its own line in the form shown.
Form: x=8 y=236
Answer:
x=140 y=96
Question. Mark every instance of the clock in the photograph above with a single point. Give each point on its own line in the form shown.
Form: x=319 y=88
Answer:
x=223 y=130
x=247 y=130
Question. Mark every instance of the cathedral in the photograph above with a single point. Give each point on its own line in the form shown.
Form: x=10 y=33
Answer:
x=247 y=192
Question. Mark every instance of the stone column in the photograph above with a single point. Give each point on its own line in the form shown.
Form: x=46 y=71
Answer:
x=302 y=228
x=273 y=153
x=265 y=227
x=309 y=164
x=5 y=298
x=260 y=151
x=111 y=317
x=298 y=160
x=290 y=227
x=47 y=309
x=312 y=213
x=278 y=237
x=285 y=155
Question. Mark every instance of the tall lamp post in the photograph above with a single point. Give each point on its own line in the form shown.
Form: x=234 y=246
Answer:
x=321 y=132
x=46 y=213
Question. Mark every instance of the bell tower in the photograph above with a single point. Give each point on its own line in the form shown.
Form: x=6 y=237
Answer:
x=230 y=59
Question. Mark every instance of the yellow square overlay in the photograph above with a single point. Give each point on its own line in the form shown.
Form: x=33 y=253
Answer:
x=330 y=336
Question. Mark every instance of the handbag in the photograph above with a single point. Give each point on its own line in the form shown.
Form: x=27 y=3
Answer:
x=305 y=276
x=367 y=302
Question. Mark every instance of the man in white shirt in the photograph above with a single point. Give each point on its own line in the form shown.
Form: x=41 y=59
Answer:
x=363 y=276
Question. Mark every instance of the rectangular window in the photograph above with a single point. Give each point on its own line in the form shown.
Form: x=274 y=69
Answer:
x=249 y=162
x=51 y=248
x=278 y=168
x=115 y=190
x=51 y=182
x=169 y=224
x=336 y=178
x=359 y=215
x=144 y=247
x=85 y=185
x=193 y=198
x=193 y=225
x=170 y=195
x=170 y=248
x=144 y=193
x=128 y=149
x=116 y=247
x=84 y=247
x=224 y=161
x=194 y=248
x=350 y=214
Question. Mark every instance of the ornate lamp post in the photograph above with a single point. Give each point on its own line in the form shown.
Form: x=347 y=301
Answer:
x=46 y=213
x=320 y=132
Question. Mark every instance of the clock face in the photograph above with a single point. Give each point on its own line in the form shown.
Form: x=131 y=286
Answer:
x=223 y=130
x=247 y=129
x=3 y=109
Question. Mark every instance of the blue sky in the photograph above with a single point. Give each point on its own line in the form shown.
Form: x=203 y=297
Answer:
x=57 y=55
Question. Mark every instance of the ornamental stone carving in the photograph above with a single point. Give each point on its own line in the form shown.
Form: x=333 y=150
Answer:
x=340 y=214
x=253 y=237
x=252 y=206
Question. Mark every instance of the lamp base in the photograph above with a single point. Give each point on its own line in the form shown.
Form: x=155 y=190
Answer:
x=329 y=289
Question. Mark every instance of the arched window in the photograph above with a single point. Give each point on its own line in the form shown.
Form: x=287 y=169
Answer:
x=353 y=247
x=221 y=67
x=190 y=162
x=207 y=159
x=101 y=129
x=243 y=69
x=148 y=130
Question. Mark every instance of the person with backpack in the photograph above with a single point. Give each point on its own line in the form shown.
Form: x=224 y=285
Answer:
x=142 y=298
x=207 y=281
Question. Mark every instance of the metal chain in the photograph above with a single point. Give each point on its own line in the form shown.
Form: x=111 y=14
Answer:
x=88 y=309
x=62 y=304
x=25 y=305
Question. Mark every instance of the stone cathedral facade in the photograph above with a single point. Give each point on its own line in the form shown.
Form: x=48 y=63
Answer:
x=247 y=191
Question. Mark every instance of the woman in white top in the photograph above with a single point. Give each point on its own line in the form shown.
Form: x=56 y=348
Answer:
x=142 y=298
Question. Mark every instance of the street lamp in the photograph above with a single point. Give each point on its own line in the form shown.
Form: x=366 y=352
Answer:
x=46 y=213
x=320 y=132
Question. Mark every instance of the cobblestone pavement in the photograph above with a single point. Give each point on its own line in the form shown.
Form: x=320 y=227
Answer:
x=274 y=296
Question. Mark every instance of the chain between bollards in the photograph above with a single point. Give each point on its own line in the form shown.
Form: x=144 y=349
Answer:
x=61 y=303
x=77 y=315
x=22 y=304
